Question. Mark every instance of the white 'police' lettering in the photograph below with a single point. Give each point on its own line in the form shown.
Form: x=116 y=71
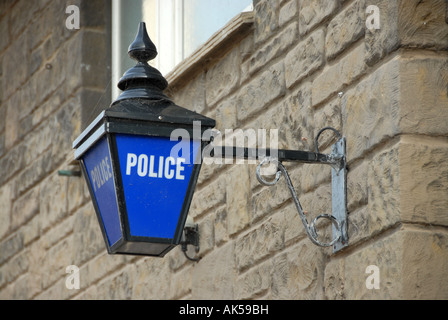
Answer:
x=144 y=166
x=101 y=173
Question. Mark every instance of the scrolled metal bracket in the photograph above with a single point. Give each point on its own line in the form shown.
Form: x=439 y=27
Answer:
x=336 y=159
x=338 y=217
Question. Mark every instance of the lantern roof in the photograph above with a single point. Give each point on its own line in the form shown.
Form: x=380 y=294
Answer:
x=142 y=99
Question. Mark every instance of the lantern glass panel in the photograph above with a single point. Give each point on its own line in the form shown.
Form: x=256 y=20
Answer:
x=99 y=170
x=156 y=174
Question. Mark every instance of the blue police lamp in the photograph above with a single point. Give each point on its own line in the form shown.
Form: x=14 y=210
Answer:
x=140 y=175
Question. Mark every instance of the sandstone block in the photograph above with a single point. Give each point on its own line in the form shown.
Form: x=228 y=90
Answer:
x=258 y=93
x=221 y=233
x=5 y=209
x=411 y=263
x=370 y=111
x=266 y=19
x=382 y=41
x=260 y=242
x=387 y=102
x=335 y=78
x=208 y=197
x=25 y=208
x=423 y=180
x=287 y=12
x=256 y=281
x=192 y=96
x=312 y=12
x=305 y=58
x=222 y=78
x=219 y=284
x=424 y=94
x=270 y=50
x=53 y=200
x=11 y=246
x=422 y=24
x=298 y=273
x=238 y=198
x=152 y=279
x=384 y=190
x=334 y=279
x=347 y=27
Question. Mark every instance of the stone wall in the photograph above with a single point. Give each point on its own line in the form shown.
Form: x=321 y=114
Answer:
x=305 y=65
x=52 y=81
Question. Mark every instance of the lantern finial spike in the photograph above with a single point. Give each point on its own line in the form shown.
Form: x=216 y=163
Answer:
x=142 y=49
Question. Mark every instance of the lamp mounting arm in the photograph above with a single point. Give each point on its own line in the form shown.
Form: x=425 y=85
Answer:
x=336 y=159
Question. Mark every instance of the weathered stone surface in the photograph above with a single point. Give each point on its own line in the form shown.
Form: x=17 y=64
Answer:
x=10 y=246
x=266 y=19
x=270 y=51
x=88 y=239
x=424 y=94
x=386 y=254
x=340 y=75
x=219 y=284
x=423 y=180
x=347 y=27
x=411 y=263
x=260 y=242
x=287 y=12
x=214 y=193
x=384 y=110
x=119 y=286
x=422 y=24
x=151 y=280
x=255 y=282
x=425 y=262
x=5 y=209
x=382 y=41
x=222 y=78
x=334 y=279
x=298 y=273
x=53 y=201
x=305 y=58
x=292 y=120
x=413 y=24
x=312 y=12
x=370 y=111
x=221 y=233
x=261 y=91
x=384 y=190
x=193 y=94
x=238 y=199
x=226 y=114
x=357 y=186
x=25 y=208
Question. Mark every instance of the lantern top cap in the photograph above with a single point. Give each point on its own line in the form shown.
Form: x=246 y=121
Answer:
x=142 y=49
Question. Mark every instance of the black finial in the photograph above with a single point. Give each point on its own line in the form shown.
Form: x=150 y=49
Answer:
x=142 y=81
x=142 y=49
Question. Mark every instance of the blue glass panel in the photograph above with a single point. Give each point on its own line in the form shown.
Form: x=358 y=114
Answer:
x=156 y=173
x=99 y=169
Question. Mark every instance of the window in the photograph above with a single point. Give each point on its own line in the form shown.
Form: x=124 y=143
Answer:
x=177 y=28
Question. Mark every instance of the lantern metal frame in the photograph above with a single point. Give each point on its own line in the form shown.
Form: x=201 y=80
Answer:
x=141 y=110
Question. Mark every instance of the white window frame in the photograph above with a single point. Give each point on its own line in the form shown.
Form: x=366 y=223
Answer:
x=171 y=43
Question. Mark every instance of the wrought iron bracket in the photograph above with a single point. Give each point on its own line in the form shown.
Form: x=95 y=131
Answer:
x=190 y=236
x=336 y=159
